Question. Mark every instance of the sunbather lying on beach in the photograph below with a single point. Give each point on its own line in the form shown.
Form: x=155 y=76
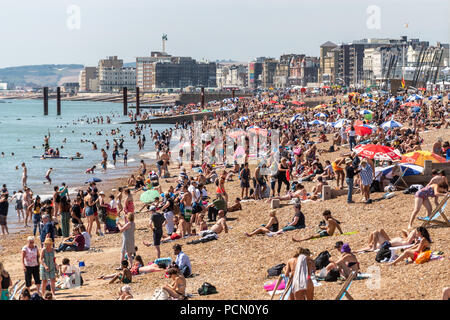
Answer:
x=418 y=248
x=125 y=276
x=327 y=227
x=378 y=237
x=140 y=268
x=271 y=226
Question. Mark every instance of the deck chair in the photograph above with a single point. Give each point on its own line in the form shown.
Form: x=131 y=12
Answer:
x=346 y=286
x=438 y=212
x=288 y=289
x=14 y=289
x=400 y=179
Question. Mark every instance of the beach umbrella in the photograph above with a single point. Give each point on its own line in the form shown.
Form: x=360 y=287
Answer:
x=391 y=125
x=149 y=196
x=421 y=89
x=316 y=122
x=279 y=106
x=300 y=109
x=435 y=97
x=414 y=97
x=415 y=109
x=94 y=180
x=321 y=115
x=241 y=119
x=273 y=101
x=257 y=130
x=340 y=123
x=419 y=157
x=320 y=106
x=361 y=130
x=410 y=104
x=365 y=112
x=371 y=100
x=296 y=117
x=298 y=103
x=377 y=152
x=326 y=87
x=407 y=169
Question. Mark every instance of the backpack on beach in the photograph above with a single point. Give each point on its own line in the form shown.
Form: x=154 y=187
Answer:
x=322 y=260
x=276 y=270
x=206 y=288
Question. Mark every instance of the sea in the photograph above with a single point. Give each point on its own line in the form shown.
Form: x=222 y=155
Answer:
x=22 y=130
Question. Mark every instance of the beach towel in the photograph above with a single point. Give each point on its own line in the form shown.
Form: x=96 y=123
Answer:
x=269 y=286
x=344 y=234
x=111 y=218
x=300 y=275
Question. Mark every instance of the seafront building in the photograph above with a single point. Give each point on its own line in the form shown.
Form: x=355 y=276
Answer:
x=231 y=75
x=163 y=71
x=113 y=76
x=88 y=79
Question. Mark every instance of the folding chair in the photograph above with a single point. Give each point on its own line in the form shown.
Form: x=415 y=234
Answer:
x=288 y=289
x=346 y=286
x=438 y=211
x=14 y=289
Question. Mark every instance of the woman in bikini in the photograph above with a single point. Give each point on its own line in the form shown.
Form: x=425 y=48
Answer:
x=129 y=204
x=346 y=264
x=177 y=288
x=423 y=244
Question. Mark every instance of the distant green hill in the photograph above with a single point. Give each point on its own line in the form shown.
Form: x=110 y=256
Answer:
x=49 y=75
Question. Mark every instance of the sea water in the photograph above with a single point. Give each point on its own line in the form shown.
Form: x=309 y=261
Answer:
x=23 y=125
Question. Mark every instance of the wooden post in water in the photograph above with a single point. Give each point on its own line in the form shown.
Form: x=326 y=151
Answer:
x=125 y=102
x=58 y=101
x=203 y=97
x=138 y=110
x=45 y=91
x=232 y=92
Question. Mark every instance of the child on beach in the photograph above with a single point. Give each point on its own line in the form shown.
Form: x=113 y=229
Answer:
x=91 y=170
x=125 y=276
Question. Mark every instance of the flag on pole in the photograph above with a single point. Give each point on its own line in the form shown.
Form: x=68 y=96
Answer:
x=403 y=82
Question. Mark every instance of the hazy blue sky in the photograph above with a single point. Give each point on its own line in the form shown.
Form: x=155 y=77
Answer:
x=36 y=32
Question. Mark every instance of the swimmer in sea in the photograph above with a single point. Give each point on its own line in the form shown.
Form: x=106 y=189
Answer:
x=90 y=170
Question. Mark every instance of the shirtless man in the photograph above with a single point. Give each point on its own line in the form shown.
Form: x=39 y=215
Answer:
x=165 y=157
x=186 y=200
x=24 y=175
x=46 y=141
x=143 y=168
x=325 y=230
x=218 y=227
x=318 y=188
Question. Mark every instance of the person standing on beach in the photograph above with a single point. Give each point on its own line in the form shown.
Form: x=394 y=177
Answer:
x=47 y=141
x=24 y=175
x=30 y=262
x=127 y=231
x=19 y=203
x=27 y=201
x=47 y=269
x=119 y=201
x=129 y=204
x=4 y=204
x=156 y=224
x=143 y=168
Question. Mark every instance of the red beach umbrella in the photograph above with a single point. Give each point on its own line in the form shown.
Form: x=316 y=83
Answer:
x=373 y=151
x=361 y=130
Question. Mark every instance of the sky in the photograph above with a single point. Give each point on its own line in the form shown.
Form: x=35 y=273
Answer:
x=84 y=31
